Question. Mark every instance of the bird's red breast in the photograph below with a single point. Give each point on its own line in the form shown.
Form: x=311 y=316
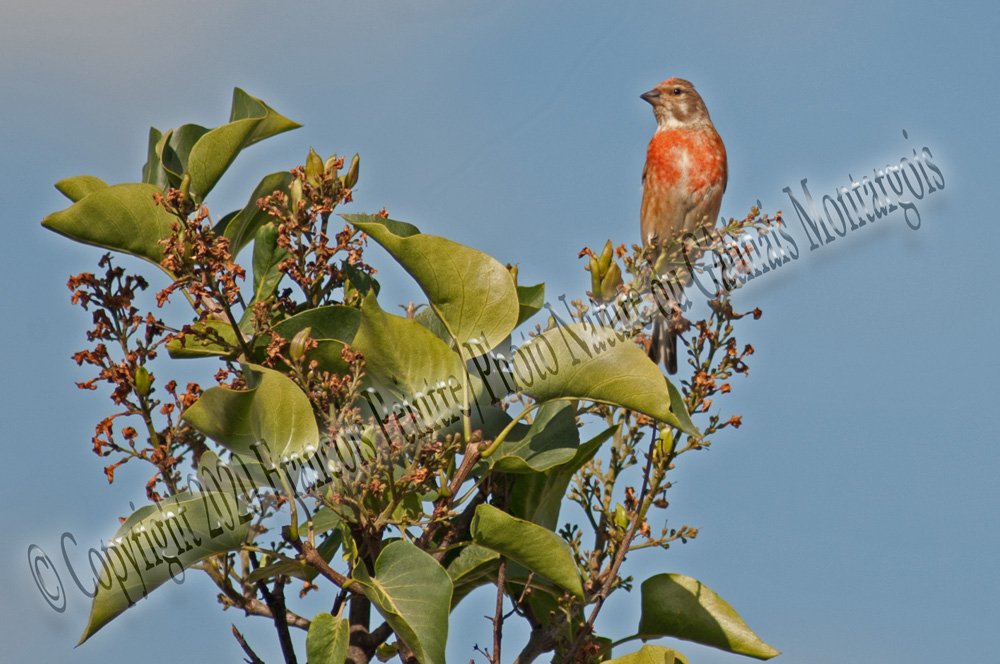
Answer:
x=683 y=182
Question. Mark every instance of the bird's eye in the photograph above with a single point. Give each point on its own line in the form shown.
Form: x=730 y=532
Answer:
x=677 y=91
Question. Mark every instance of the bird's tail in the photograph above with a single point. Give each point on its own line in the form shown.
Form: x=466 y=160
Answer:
x=663 y=347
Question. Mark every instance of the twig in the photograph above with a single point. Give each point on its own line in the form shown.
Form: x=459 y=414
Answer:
x=316 y=561
x=276 y=603
x=251 y=605
x=254 y=659
x=255 y=607
x=498 y=618
x=588 y=627
x=503 y=483
x=460 y=526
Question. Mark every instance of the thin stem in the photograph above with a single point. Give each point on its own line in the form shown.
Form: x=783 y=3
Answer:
x=588 y=627
x=254 y=659
x=472 y=455
x=316 y=561
x=499 y=617
x=504 y=485
x=234 y=324
x=276 y=602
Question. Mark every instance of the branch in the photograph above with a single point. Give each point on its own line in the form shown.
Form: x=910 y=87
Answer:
x=276 y=602
x=542 y=640
x=472 y=454
x=251 y=605
x=316 y=561
x=255 y=607
x=504 y=485
x=588 y=627
x=498 y=619
x=459 y=527
x=254 y=659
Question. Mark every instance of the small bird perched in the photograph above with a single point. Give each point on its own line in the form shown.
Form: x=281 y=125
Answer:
x=682 y=186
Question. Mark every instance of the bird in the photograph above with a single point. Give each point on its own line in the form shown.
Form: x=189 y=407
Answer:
x=683 y=181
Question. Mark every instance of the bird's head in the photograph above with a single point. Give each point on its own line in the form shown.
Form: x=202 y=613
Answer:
x=676 y=104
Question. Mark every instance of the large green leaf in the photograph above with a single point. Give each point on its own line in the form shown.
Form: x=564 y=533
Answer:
x=472 y=293
x=597 y=363
x=122 y=217
x=158 y=542
x=328 y=639
x=681 y=607
x=537 y=497
x=413 y=375
x=649 y=654
x=243 y=226
x=75 y=188
x=273 y=410
x=551 y=440
x=536 y=548
x=251 y=120
x=413 y=593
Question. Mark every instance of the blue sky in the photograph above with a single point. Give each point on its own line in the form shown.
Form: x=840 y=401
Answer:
x=851 y=517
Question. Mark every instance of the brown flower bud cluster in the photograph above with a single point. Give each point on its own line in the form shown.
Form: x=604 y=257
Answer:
x=302 y=216
x=126 y=342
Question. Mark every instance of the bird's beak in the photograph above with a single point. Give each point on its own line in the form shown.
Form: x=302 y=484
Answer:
x=651 y=96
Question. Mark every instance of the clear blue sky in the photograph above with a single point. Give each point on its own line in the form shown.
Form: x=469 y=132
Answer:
x=853 y=517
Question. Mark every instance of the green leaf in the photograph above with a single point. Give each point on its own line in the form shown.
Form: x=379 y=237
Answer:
x=410 y=372
x=536 y=548
x=269 y=123
x=679 y=409
x=267 y=255
x=239 y=478
x=333 y=327
x=537 y=497
x=152 y=171
x=551 y=440
x=357 y=284
x=472 y=292
x=122 y=217
x=244 y=226
x=327 y=640
x=474 y=566
x=251 y=120
x=531 y=299
x=174 y=150
x=681 y=607
x=77 y=187
x=324 y=520
x=331 y=322
x=273 y=410
x=583 y=361
x=432 y=322
x=158 y=542
x=225 y=345
x=649 y=654
x=413 y=593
